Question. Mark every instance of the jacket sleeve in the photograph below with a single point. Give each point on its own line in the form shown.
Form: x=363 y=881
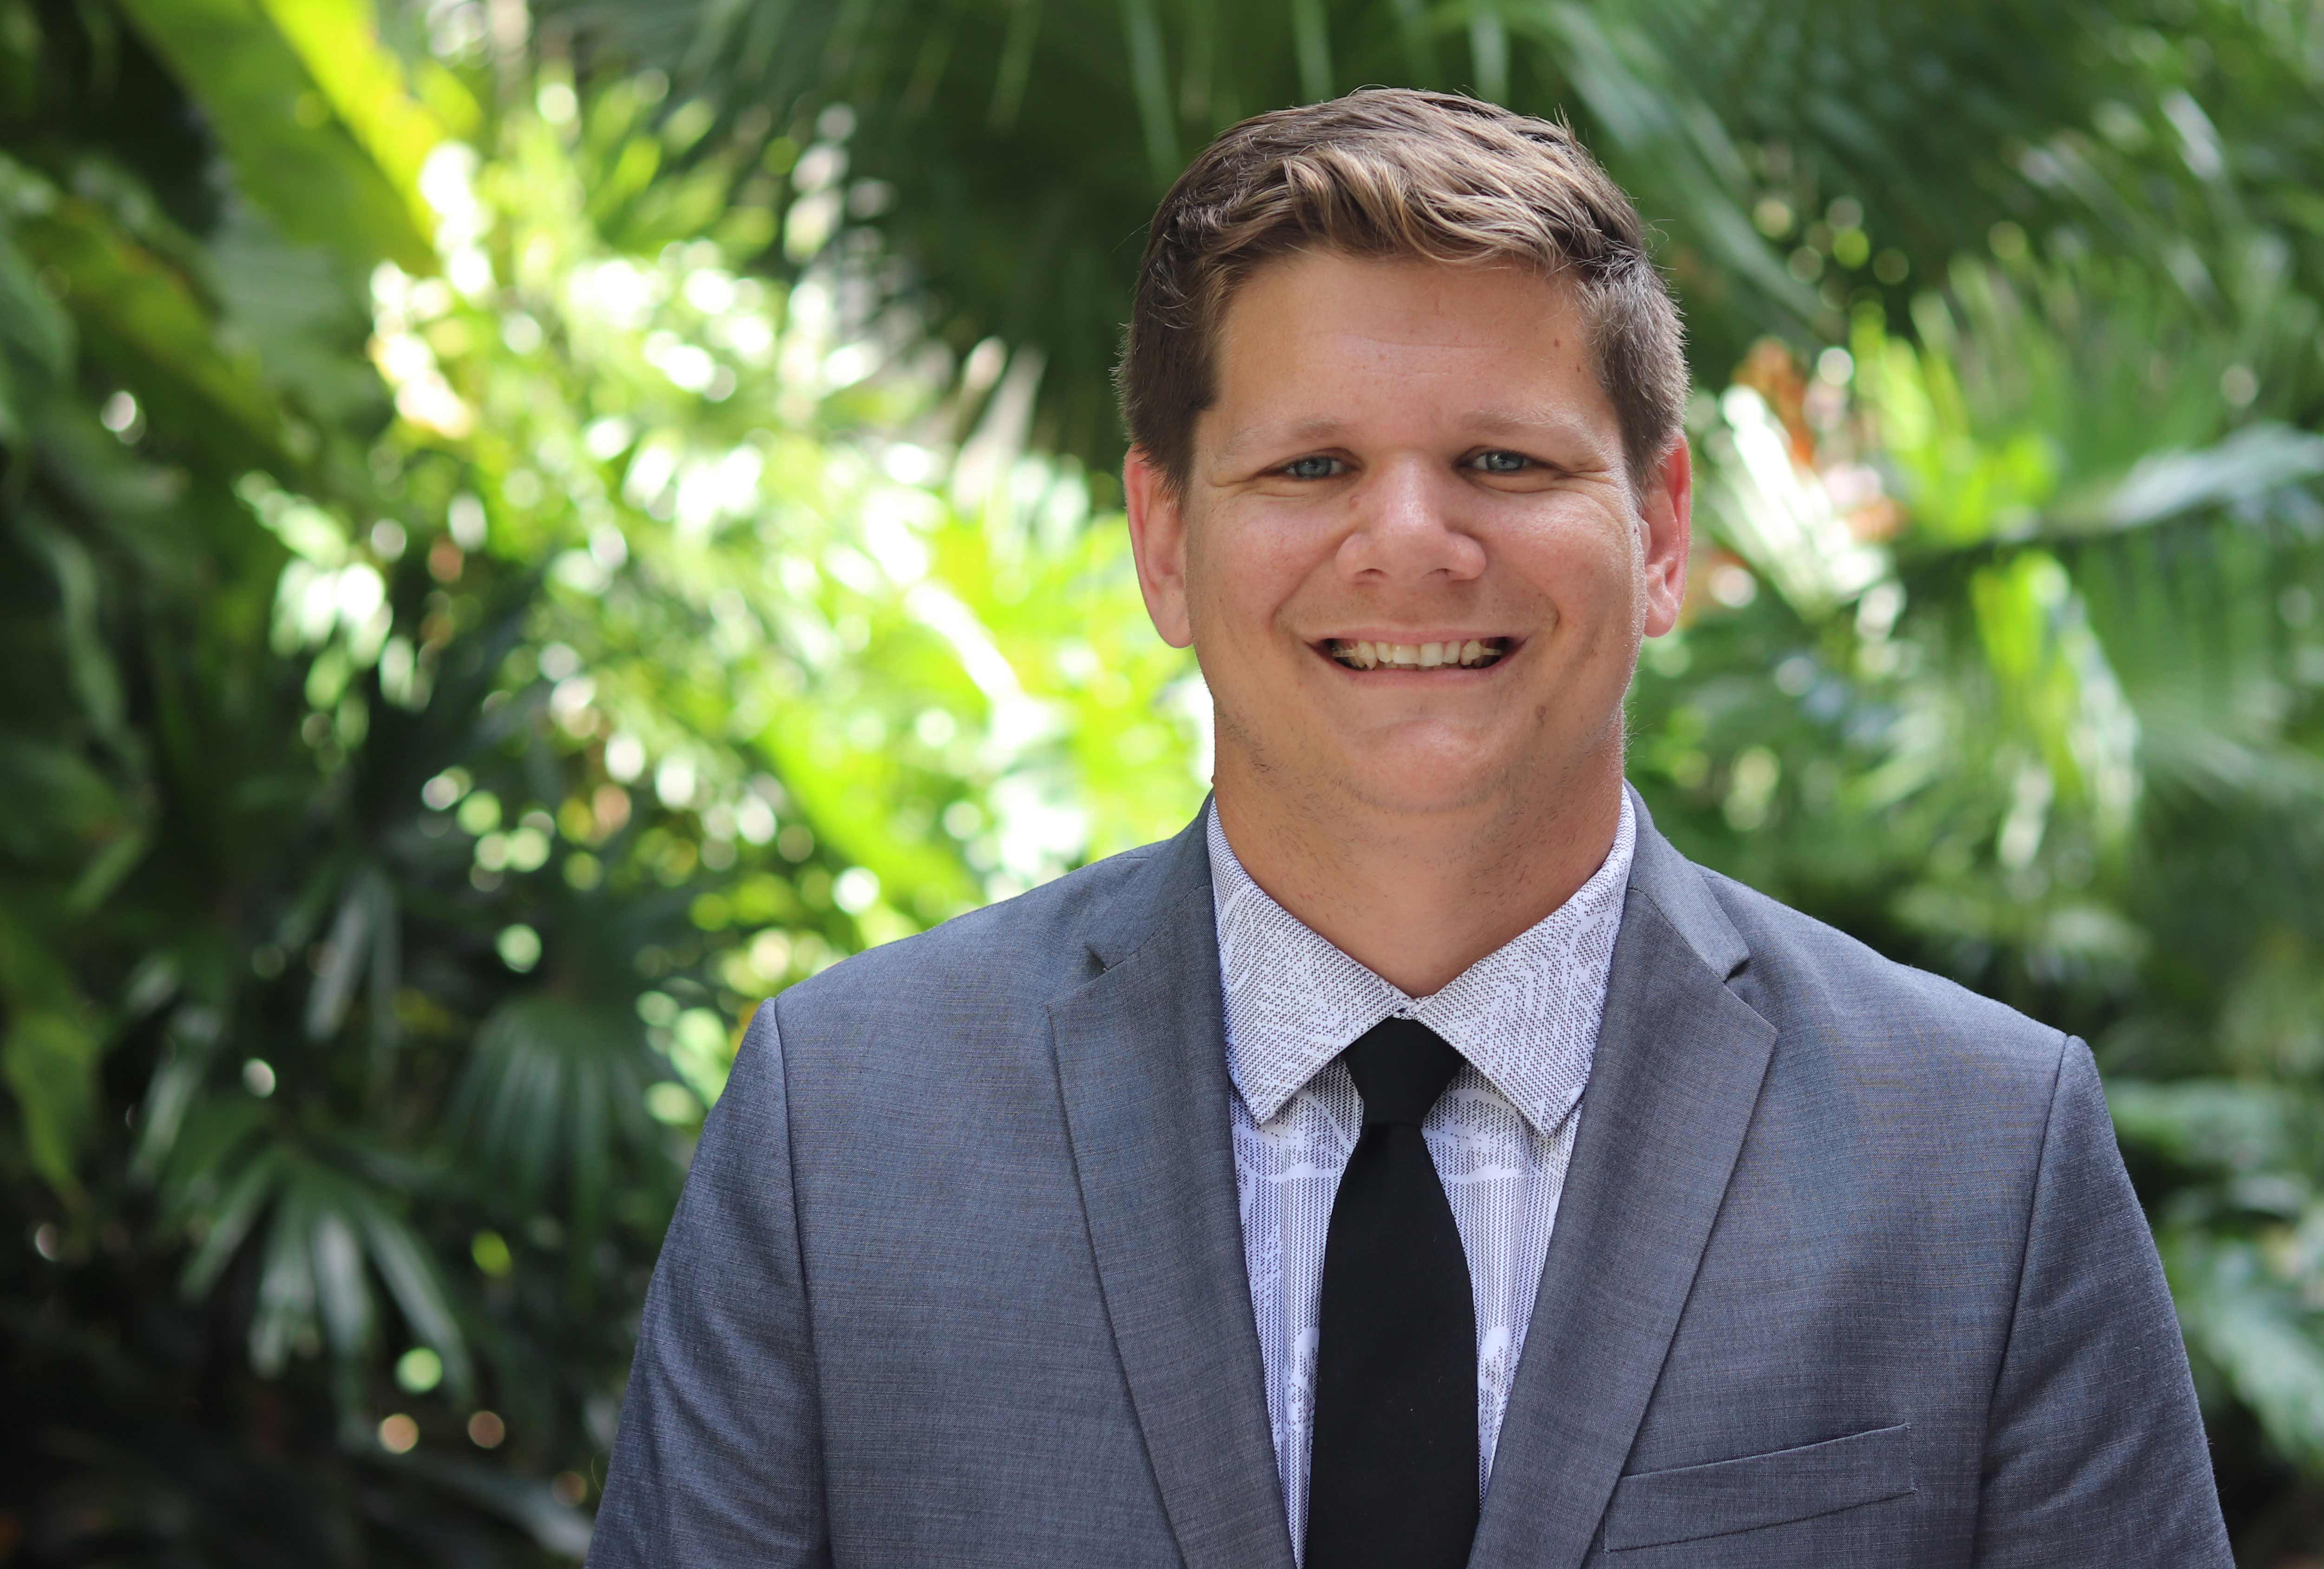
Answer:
x=2095 y=1451
x=716 y=1460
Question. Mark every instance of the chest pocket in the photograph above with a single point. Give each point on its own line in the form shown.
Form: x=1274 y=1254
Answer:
x=1655 y=1508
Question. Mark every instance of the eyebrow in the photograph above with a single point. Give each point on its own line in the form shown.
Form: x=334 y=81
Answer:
x=1501 y=421
x=1299 y=433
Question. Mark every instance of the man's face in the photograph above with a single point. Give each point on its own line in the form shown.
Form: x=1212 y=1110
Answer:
x=1407 y=555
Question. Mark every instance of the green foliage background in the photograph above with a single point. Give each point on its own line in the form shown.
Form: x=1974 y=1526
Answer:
x=526 y=531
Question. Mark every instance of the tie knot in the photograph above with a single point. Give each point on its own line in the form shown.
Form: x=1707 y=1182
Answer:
x=1400 y=1067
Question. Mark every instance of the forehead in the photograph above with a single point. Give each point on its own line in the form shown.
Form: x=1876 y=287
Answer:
x=1322 y=340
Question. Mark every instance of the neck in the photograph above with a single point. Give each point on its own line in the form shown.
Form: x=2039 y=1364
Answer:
x=1418 y=897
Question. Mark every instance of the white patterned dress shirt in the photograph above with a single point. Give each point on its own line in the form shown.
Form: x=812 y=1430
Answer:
x=1525 y=1021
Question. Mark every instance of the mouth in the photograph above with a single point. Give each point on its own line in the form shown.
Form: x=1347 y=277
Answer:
x=1464 y=654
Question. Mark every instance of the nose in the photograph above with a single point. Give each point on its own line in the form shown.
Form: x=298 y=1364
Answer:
x=1409 y=528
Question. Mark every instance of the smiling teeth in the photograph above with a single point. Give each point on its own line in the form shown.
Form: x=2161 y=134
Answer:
x=1363 y=654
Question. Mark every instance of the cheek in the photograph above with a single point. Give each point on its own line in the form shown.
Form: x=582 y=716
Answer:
x=1582 y=558
x=1244 y=564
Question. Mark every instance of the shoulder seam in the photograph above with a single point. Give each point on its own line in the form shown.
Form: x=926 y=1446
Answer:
x=2064 y=1045
x=782 y=1067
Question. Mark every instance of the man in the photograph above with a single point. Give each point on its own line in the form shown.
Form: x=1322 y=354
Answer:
x=1416 y=1162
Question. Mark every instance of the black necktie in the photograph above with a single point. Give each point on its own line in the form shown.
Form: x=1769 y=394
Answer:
x=1392 y=1480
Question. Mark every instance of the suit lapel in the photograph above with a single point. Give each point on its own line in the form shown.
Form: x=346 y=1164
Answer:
x=1141 y=1065
x=1679 y=1062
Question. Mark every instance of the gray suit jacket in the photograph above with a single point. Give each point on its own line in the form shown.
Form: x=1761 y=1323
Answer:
x=1846 y=1270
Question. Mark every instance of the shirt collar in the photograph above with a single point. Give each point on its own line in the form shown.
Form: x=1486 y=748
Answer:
x=1526 y=1015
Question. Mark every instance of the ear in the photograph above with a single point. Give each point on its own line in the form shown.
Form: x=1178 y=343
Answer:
x=1665 y=519
x=1157 y=539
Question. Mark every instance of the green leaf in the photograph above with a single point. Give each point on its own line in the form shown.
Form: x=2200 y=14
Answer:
x=31 y=322
x=230 y=1221
x=139 y=317
x=59 y=801
x=417 y=1282
x=2255 y=461
x=211 y=1129
x=285 y=1312
x=337 y=41
x=322 y=1223
x=340 y=1288
x=523 y=1501
x=2228 y=1125
x=293 y=150
x=2250 y=1326
x=87 y=659
x=549 y=1088
x=50 y=1059
x=2056 y=688
x=364 y=927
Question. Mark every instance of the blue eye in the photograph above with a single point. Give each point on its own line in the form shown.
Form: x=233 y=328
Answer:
x=1316 y=467
x=1500 y=462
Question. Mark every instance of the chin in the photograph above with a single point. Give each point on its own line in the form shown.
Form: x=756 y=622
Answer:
x=1416 y=767
x=1420 y=777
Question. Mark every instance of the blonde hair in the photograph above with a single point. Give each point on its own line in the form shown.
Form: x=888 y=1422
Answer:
x=1393 y=173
